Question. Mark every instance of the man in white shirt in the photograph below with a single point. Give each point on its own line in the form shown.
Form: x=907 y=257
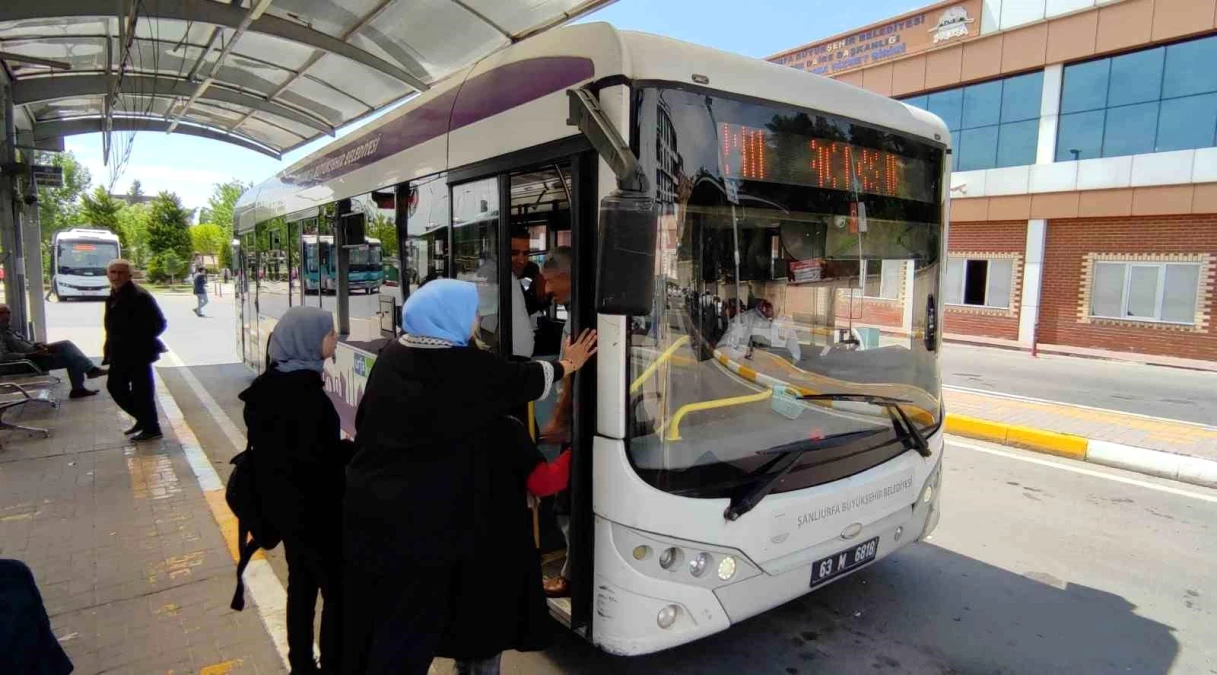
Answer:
x=522 y=328
x=736 y=343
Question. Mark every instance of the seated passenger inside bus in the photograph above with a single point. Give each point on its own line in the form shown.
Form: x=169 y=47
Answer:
x=757 y=326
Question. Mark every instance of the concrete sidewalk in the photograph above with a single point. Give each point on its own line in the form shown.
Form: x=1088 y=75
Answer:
x=1161 y=447
x=133 y=567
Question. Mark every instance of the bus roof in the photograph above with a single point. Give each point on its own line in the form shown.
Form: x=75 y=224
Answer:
x=462 y=119
x=86 y=234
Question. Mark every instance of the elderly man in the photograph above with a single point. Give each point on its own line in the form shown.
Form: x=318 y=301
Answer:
x=15 y=347
x=133 y=326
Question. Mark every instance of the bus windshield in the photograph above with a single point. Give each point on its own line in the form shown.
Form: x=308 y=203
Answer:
x=798 y=254
x=85 y=257
x=365 y=258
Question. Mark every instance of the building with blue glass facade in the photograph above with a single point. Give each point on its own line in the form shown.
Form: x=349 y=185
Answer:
x=1084 y=156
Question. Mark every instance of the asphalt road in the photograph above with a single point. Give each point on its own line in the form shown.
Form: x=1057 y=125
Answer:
x=1038 y=565
x=1173 y=393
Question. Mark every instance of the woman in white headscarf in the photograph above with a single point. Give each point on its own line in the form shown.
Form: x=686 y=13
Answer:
x=299 y=460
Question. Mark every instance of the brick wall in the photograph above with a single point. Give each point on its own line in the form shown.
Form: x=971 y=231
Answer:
x=985 y=237
x=1069 y=242
x=873 y=311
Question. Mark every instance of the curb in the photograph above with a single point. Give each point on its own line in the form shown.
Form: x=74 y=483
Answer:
x=1183 y=468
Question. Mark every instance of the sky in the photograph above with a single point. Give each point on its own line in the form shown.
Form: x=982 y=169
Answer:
x=190 y=166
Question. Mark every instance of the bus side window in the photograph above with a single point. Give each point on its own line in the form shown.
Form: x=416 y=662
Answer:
x=475 y=246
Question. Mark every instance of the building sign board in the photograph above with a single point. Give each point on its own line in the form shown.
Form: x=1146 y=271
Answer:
x=908 y=34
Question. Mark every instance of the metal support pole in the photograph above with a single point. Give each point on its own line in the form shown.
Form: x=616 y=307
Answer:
x=31 y=234
x=10 y=225
x=343 y=257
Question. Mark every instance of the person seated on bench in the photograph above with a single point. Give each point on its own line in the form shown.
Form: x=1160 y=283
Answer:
x=63 y=354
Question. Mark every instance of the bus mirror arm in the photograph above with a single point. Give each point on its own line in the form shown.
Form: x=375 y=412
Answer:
x=589 y=118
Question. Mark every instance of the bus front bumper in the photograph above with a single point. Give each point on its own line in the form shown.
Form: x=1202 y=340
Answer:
x=627 y=620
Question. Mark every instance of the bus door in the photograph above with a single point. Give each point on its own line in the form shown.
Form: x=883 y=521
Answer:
x=504 y=227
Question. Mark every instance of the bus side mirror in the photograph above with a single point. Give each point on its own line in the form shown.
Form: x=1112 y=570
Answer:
x=625 y=271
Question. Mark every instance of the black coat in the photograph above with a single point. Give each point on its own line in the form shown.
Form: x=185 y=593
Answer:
x=298 y=456
x=499 y=603
x=134 y=324
x=414 y=518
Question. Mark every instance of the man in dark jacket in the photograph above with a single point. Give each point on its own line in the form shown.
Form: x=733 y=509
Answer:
x=63 y=354
x=200 y=290
x=133 y=326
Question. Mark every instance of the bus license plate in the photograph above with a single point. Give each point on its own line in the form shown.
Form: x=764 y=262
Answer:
x=835 y=565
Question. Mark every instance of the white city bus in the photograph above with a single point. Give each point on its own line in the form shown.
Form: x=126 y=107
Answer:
x=765 y=414
x=79 y=257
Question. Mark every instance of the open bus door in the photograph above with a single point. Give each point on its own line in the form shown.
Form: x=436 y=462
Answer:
x=508 y=216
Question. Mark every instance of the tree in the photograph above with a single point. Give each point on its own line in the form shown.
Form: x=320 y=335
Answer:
x=219 y=211
x=133 y=227
x=99 y=209
x=381 y=227
x=168 y=227
x=135 y=192
x=166 y=266
x=207 y=239
x=59 y=207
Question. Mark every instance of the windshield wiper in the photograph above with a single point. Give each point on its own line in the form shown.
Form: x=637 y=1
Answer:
x=775 y=469
x=906 y=431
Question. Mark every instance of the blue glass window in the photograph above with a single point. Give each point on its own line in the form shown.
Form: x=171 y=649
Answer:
x=1136 y=77
x=981 y=105
x=1186 y=123
x=1016 y=143
x=1154 y=100
x=992 y=124
x=948 y=105
x=1020 y=97
x=1191 y=68
x=978 y=148
x=1085 y=86
x=1130 y=129
x=1080 y=136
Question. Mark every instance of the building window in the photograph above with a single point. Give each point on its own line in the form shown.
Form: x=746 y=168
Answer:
x=1153 y=100
x=1163 y=292
x=882 y=279
x=992 y=124
x=980 y=282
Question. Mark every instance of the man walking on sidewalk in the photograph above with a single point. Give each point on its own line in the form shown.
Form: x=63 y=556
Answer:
x=200 y=290
x=133 y=326
x=64 y=354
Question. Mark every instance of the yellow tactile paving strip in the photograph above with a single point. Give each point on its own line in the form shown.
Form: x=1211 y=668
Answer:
x=1155 y=434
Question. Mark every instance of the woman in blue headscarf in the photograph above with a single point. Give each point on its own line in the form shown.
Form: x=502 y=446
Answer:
x=434 y=409
x=299 y=461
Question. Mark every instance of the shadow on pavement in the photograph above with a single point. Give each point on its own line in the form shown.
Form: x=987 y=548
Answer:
x=925 y=610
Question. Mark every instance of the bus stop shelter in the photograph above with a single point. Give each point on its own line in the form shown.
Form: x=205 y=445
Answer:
x=265 y=75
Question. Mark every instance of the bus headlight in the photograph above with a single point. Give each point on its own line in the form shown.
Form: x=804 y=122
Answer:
x=700 y=564
x=665 y=558
x=928 y=494
x=669 y=557
x=726 y=568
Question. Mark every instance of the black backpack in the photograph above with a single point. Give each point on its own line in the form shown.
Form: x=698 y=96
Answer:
x=254 y=531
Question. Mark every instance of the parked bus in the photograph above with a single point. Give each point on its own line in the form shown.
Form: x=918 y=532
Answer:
x=760 y=250
x=367 y=270
x=79 y=257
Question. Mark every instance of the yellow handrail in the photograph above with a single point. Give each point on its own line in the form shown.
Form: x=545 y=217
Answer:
x=650 y=370
x=674 y=427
